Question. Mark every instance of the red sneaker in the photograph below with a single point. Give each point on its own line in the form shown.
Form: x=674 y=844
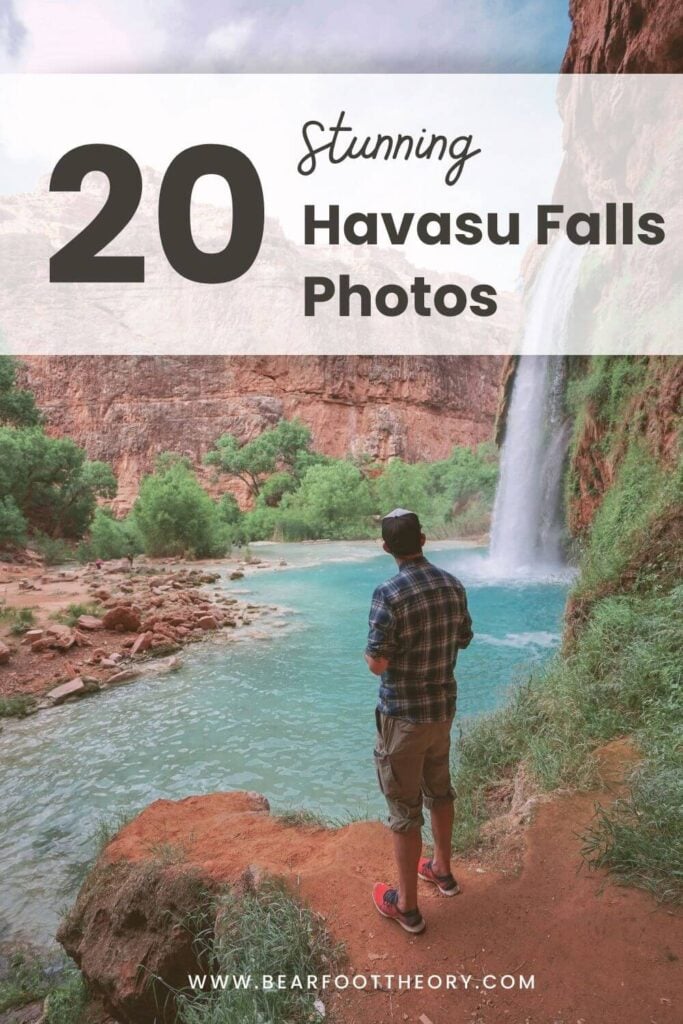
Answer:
x=386 y=901
x=446 y=884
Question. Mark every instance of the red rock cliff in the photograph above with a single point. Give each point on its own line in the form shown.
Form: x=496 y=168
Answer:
x=126 y=410
x=625 y=36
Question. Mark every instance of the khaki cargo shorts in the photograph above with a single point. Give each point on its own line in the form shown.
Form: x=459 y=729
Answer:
x=413 y=767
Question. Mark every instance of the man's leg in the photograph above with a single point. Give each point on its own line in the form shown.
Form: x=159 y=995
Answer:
x=442 y=829
x=438 y=797
x=407 y=850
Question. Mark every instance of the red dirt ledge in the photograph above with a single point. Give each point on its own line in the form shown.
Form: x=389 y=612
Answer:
x=607 y=957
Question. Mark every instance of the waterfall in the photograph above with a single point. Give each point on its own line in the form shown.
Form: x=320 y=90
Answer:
x=527 y=529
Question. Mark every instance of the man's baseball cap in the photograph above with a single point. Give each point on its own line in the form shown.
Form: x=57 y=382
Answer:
x=402 y=532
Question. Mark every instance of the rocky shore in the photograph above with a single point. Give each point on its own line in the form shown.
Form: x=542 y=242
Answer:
x=68 y=633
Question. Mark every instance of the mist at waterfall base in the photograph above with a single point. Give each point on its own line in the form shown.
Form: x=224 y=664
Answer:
x=288 y=711
x=528 y=525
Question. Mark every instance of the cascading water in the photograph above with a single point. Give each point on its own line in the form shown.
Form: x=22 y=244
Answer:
x=527 y=528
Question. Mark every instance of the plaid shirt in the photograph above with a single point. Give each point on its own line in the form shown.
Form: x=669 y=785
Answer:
x=419 y=621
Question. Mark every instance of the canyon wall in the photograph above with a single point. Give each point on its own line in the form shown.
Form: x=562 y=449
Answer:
x=128 y=409
x=625 y=37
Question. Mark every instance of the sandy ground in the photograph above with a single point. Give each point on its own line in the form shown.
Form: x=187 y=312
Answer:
x=598 y=953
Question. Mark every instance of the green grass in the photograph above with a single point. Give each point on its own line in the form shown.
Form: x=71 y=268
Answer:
x=69 y=616
x=639 y=838
x=623 y=527
x=622 y=676
x=32 y=976
x=301 y=819
x=20 y=619
x=67 y=1003
x=264 y=931
x=16 y=707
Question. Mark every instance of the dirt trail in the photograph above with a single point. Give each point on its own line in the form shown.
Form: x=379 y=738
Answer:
x=600 y=954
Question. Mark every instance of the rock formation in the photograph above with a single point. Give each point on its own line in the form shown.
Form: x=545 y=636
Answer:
x=128 y=409
x=625 y=36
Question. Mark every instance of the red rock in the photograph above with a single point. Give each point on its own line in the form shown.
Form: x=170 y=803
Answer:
x=60 y=637
x=74 y=688
x=90 y=622
x=142 y=643
x=5 y=653
x=31 y=636
x=122 y=620
x=207 y=622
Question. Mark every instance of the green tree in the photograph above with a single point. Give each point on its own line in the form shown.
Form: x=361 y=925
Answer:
x=17 y=406
x=176 y=516
x=406 y=486
x=12 y=523
x=51 y=481
x=283 y=447
x=334 y=500
x=113 y=538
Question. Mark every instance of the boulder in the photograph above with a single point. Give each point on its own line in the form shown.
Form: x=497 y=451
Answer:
x=138 y=907
x=74 y=688
x=129 y=914
x=142 y=643
x=122 y=619
x=5 y=653
x=31 y=635
x=90 y=622
x=237 y=575
x=207 y=622
x=58 y=636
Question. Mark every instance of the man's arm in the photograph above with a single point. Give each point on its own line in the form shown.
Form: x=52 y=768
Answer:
x=381 y=635
x=465 y=633
x=376 y=665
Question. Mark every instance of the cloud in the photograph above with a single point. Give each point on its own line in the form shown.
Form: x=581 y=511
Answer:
x=227 y=42
x=12 y=34
x=277 y=35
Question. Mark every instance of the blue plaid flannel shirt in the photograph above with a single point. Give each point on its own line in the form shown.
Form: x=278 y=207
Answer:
x=419 y=621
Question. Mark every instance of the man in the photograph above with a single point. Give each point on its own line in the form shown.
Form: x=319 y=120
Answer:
x=418 y=623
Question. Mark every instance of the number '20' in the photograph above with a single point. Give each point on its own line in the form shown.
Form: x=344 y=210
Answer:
x=78 y=260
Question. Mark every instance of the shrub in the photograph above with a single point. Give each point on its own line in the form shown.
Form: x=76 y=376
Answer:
x=175 y=516
x=111 y=537
x=20 y=619
x=70 y=615
x=333 y=501
x=53 y=550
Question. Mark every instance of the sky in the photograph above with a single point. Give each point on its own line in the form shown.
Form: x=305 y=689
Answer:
x=278 y=36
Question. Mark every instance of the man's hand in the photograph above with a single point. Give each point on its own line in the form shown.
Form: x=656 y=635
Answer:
x=377 y=665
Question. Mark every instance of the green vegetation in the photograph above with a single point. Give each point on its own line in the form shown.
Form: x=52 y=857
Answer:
x=50 y=482
x=48 y=488
x=16 y=707
x=620 y=673
x=49 y=492
x=66 y=1004
x=110 y=537
x=32 y=976
x=70 y=615
x=20 y=619
x=261 y=928
x=299 y=495
x=174 y=515
x=17 y=406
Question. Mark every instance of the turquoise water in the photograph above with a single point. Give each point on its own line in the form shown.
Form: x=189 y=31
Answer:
x=287 y=712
